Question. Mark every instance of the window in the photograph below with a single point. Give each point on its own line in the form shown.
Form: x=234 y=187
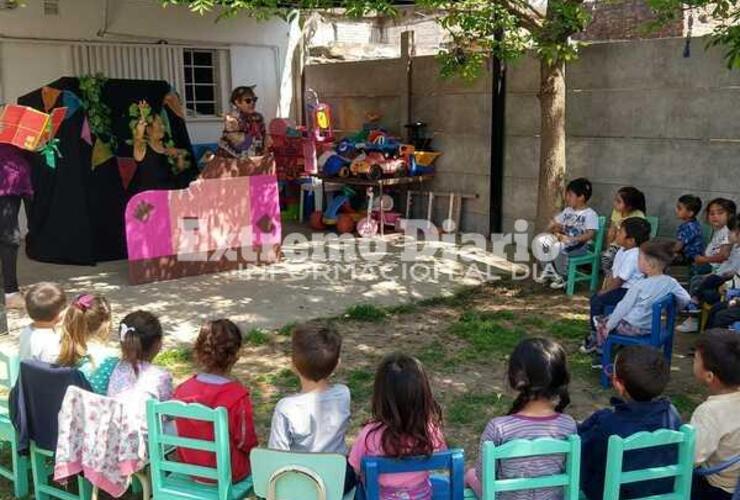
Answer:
x=202 y=88
x=51 y=7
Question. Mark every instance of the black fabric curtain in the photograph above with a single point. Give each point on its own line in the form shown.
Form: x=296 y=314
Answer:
x=77 y=215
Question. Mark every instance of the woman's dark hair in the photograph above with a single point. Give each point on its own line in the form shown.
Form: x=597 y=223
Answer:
x=217 y=346
x=661 y=250
x=538 y=369
x=403 y=407
x=633 y=198
x=727 y=205
x=240 y=93
x=141 y=337
x=580 y=187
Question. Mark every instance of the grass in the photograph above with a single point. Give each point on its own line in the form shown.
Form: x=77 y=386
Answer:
x=366 y=312
x=472 y=409
x=256 y=337
x=403 y=308
x=459 y=298
x=685 y=404
x=568 y=329
x=486 y=335
x=287 y=330
x=174 y=357
x=360 y=383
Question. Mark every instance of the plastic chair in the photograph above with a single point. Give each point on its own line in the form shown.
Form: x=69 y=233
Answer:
x=708 y=471
x=569 y=479
x=592 y=258
x=654 y=224
x=296 y=476
x=661 y=335
x=18 y=471
x=42 y=469
x=682 y=471
x=171 y=479
x=735 y=326
x=443 y=487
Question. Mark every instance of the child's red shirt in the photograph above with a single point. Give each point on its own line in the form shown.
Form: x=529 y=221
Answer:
x=235 y=398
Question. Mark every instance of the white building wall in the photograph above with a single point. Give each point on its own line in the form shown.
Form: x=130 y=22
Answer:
x=34 y=48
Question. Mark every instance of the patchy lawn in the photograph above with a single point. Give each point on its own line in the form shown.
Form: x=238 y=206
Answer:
x=463 y=341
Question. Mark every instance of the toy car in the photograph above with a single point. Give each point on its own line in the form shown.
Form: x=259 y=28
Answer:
x=375 y=165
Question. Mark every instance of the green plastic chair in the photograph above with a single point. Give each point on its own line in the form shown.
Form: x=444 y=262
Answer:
x=569 y=479
x=18 y=471
x=42 y=469
x=290 y=475
x=171 y=479
x=591 y=258
x=682 y=471
x=654 y=224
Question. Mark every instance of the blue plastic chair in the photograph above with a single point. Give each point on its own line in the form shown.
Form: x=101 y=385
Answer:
x=661 y=335
x=708 y=471
x=443 y=487
x=735 y=326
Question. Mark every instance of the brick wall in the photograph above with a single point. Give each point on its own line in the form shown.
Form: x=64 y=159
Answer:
x=625 y=20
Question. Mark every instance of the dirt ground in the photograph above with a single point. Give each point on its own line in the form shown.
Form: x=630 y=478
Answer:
x=463 y=341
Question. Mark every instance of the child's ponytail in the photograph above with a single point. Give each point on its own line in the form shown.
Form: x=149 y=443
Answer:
x=538 y=370
x=141 y=338
x=84 y=318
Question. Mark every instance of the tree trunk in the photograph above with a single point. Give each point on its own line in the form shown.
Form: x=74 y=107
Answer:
x=552 y=142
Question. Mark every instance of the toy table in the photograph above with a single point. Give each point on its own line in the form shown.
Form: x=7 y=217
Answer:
x=389 y=182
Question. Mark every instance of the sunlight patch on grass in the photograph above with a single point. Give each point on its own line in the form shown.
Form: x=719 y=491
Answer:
x=174 y=356
x=257 y=337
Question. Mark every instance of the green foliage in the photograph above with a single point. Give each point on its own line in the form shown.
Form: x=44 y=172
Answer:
x=98 y=113
x=486 y=335
x=360 y=383
x=256 y=337
x=476 y=409
x=287 y=330
x=366 y=312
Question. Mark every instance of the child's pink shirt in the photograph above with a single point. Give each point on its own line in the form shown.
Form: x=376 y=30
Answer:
x=369 y=443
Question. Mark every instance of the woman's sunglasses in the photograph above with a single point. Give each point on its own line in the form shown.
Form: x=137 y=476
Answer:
x=250 y=100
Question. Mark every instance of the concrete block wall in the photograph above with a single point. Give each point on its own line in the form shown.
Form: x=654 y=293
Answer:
x=638 y=113
x=458 y=115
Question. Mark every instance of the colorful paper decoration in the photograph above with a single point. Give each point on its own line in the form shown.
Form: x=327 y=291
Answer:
x=172 y=101
x=22 y=126
x=101 y=153
x=71 y=102
x=50 y=151
x=126 y=169
x=49 y=96
x=85 y=133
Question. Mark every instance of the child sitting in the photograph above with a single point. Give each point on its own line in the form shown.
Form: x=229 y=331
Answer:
x=574 y=227
x=689 y=234
x=625 y=271
x=634 y=313
x=717 y=366
x=85 y=322
x=135 y=379
x=719 y=212
x=628 y=202
x=316 y=419
x=640 y=376
x=45 y=303
x=406 y=422
x=215 y=352
x=538 y=371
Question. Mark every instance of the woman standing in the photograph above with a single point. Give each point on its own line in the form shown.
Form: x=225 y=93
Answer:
x=15 y=186
x=158 y=166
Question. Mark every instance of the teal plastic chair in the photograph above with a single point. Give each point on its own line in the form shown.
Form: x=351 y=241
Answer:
x=569 y=479
x=42 y=469
x=681 y=471
x=591 y=258
x=289 y=475
x=654 y=224
x=171 y=479
x=20 y=467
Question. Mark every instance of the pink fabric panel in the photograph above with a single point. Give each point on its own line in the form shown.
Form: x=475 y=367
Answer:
x=211 y=214
x=265 y=207
x=148 y=233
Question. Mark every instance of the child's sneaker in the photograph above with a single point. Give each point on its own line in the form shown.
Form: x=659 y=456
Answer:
x=589 y=345
x=557 y=283
x=690 y=325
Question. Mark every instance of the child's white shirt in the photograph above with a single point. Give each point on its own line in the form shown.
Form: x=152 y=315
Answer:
x=732 y=264
x=576 y=222
x=40 y=344
x=720 y=238
x=312 y=422
x=626 y=266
